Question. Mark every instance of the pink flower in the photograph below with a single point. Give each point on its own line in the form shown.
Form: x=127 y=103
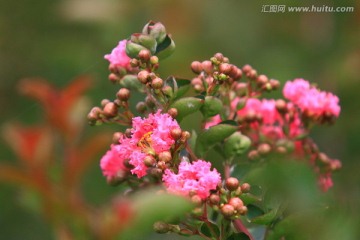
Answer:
x=118 y=55
x=112 y=163
x=325 y=182
x=193 y=177
x=137 y=160
x=311 y=101
x=153 y=134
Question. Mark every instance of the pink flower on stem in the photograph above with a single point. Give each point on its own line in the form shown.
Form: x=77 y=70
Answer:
x=118 y=56
x=213 y=121
x=311 y=101
x=112 y=163
x=150 y=136
x=192 y=178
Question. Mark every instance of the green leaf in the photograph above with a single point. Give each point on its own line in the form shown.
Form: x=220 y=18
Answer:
x=151 y=207
x=166 y=48
x=133 y=49
x=238 y=236
x=179 y=85
x=236 y=145
x=211 y=136
x=265 y=219
x=131 y=82
x=212 y=106
x=186 y=106
x=254 y=211
x=249 y=198
x=213 y=232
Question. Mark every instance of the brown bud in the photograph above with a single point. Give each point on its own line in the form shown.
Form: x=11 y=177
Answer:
x=104 y=102
x=134 y=63
x=281 y=149
x=323 y=158
x=207 y=66
x=198 y=88
x=157 y=83
x=110 y=109
x=116 y=137
x=252 y=74
x=245 y=187
x=232 y=183
x=161 y=227
x=113 y=68
x=165 y=156
x=225 y=68
x=185 y=135
x=175 y=133
x=335 y=165
x=227 y=210
x=247 y=68
x=141 y=107
x=143 y=76
x=196 y=81
x=219 y=57
x=128 y=133
x=275 y=84
x=196 y=199
x=149 y=161
x=253 y=155
x=161 y=165
x=144 y=55
x=264 y=148
x=214 y=199
x=262 y=80
x=154 y=60
x=196 y=67
x=281 y=105
x=113 y=78
x=250 y=116
x=173 y=112
x=123 y=94
x=94 y=114
x=243 y=210
x=236 y=202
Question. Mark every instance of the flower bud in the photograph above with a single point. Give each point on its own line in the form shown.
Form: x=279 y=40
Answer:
x=196 y=199
x=128 y=133
x=250 y=116
x=104 y=102
x=243 y=210
x=175 y=133
x=134 y=62
x=207 y=66
x=252 y=74
x=123 y=94
x=143 y=76
x=264 y=148
x=149 y=161
x=196 y=67
x=196 y=81
x=281 y=149
x=173 y=112
x=253 y=155
x=110 y=109
x=323 y=158
x=133 y=49
x=113 y=78
x=227 y=210
x=93 y=115
x=281 y=105
x=144 y=55
x=247 y=68
x=161 y=227
x=168 y=91
x=262 y=80
x=154 y=60
x=214 y=199
x=236 y=144
x=232 y=183
x=157 y=83
x=165 y=156
x=219 y=57
x=237 y=203
x=185 y=135
x=116 y=137
x=245 y=187
x=225 y=68
x=141 y=107
x=156 y=30
x=275 y=84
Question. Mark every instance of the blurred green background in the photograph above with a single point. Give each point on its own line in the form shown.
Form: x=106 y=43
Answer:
x=61 y=39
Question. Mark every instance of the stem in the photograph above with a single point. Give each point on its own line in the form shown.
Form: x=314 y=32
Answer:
x=240 y=227
x=226 y=170
x=191 y=153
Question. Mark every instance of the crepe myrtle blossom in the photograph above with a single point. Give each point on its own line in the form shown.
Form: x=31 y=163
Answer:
x=310 y=100
x=192 y=178
x=149 y=136
x=118 y=56
x=112 y=163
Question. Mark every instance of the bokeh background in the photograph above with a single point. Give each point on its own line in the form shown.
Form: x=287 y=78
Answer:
x=61 y=39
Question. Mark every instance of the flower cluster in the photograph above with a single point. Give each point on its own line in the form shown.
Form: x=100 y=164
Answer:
x=237 y=122
x=192 y=178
